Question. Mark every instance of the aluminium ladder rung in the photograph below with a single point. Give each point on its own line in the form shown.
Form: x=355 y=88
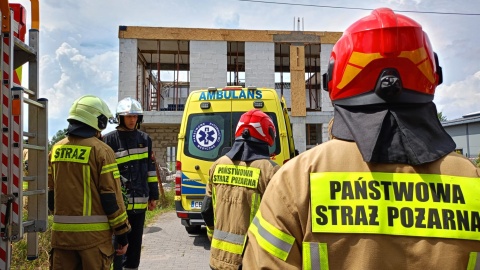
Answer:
x=29 y=178
x=19 y=87
x=34 y=147
x=34 y=225
x=33 y=192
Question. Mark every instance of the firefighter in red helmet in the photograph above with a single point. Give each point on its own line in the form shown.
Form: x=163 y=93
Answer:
x=236 y=184
x=387 y=191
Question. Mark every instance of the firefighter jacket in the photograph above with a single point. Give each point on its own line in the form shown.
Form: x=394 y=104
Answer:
x=328 y=209
x=83 y=182
x=236 y=188
x=133 y=153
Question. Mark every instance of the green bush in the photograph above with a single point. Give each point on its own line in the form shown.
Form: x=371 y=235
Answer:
x=19 y=253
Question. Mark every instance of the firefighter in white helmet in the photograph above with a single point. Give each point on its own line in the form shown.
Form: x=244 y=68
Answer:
x=133 y=150
x=388 y=191
x=84 y=192
x=236 y=184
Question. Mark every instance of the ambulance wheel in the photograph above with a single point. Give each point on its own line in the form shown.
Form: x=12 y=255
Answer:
x=193 y=229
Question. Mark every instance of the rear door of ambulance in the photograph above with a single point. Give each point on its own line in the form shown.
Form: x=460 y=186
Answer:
x=204 y=135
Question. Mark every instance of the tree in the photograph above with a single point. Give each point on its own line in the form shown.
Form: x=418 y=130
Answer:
x=441 y=117
x=56 y=138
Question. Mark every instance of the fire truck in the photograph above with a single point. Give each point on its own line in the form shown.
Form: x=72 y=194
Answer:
x=23 y=119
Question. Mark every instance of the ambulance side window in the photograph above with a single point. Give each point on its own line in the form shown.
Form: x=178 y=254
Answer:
x=275 y=148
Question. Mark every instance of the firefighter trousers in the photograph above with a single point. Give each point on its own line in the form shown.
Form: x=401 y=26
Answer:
x=131 y=259
x=98 y=257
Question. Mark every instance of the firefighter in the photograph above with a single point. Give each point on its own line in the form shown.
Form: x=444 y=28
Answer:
x=133 y=151
x=236 y=184
x=84 y=192
x=388 y=191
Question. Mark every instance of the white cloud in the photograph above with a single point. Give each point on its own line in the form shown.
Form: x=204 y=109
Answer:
x=403 y=2
x=459 y=98
x=78 y=75
x=229 y=20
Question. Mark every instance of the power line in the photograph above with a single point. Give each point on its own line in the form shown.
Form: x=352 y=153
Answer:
x=357 y=8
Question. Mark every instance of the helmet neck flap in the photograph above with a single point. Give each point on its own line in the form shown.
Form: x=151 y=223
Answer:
x=79 y=129
x=402 y=133
x=248 y=151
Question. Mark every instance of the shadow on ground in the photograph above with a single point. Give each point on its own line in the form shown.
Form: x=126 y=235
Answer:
x=152 y=230
x=201 y=239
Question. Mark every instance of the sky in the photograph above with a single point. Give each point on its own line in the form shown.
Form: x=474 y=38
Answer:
x=79 y=39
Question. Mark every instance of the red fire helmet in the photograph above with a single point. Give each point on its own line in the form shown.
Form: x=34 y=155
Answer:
x=382 y=58
x=259 y=126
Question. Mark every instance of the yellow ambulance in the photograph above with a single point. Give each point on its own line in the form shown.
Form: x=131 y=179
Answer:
x=207 y=132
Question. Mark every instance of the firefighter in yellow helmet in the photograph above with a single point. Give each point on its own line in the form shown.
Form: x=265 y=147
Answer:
x=236 y=184
x=387 y=191
x=84 y=192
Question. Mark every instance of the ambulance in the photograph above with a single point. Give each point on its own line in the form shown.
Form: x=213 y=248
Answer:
x=207 y=132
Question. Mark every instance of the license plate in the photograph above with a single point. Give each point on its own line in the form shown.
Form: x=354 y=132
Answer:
x=196 y=205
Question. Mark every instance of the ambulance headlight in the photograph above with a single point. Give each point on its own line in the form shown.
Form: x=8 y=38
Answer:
x=258 y=104
x=205 y=105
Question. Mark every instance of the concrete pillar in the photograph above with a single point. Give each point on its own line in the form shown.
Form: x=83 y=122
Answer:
x=127 y=71
x=260 y=64
x=299 y=132
x=325 y=134
x=208 y=64
x=325 y=51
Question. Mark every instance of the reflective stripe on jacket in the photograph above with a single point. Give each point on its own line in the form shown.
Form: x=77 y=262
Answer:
x=81 y=171
x=337 y=222
x=236 y=189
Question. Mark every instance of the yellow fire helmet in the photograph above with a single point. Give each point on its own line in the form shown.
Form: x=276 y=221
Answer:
x=90 y=110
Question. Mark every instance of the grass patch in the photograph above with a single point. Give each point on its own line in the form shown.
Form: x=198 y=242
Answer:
x=164 y=205
x=19 y=249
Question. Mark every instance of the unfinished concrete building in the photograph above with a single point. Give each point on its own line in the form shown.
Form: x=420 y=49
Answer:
x=161 y=66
